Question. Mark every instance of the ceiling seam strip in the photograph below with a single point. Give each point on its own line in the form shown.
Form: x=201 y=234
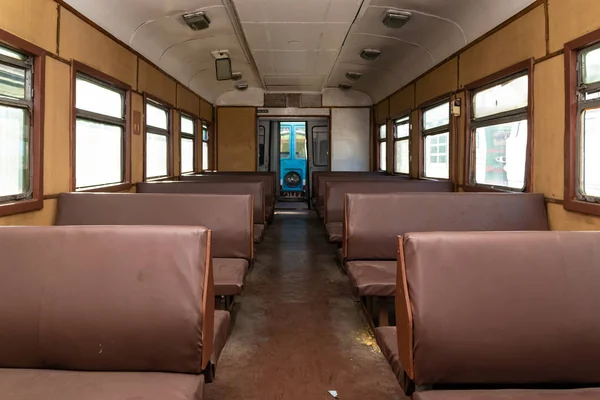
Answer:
x=403 y=41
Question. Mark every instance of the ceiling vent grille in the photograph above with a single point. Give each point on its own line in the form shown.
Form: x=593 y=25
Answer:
x=292 y=100
x=395 y=19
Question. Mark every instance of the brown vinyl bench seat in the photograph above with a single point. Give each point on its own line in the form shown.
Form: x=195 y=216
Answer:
x=372 y=277
x=387 y=340
x=228 y=216
x=335 y=193
x=510 y=394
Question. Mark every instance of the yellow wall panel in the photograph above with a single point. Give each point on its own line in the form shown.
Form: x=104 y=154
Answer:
x=569 y=19
x=154 y=82
x=518 y=41
x=236 y=138
x=79 y=41
x=563 y=220
x=43 y=217
x=206 y=110
x=382 y=111
x=57 y=133
x=188 y=101
x=549 y=128
x=402 y=101
x=440 y=81
x=32 y=20
x=137 y=142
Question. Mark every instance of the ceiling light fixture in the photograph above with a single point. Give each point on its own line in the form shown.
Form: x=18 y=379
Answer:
x=395 y=19
x=241 y=86
x=353 y=76
x=197 y=21
x=370 y=54
x=345 y=86
x=236 y=76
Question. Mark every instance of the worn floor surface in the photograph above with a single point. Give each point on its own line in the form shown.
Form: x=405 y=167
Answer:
x=298 y=333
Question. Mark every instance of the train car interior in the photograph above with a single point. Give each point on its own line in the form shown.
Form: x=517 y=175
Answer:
x=292 y=200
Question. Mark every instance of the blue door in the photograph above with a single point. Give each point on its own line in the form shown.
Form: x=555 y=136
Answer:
x=292 y=159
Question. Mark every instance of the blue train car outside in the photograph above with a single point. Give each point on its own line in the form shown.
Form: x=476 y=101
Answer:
x=292 y=159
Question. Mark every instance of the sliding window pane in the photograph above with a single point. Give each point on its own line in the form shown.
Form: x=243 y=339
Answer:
x=187 y=155
x=437 y=156
x=591 y=66
x=157 y=117
x=402 y=157
x=14 y=152
x=382 y=131
x=507 y=96
x=204 y=156
x=99 y=154
x=590 y=153
x=156 y=155
x=436 y=116
x=98 y=99
x=382 y=156
x=501 y=155
x=187 y=125
x=12 y=82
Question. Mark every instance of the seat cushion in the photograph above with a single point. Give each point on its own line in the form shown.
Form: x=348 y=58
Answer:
x=512 y=394
x=259 y=230
x=334 y=230
x=388 y=343
x=39 y=384
x=373 y=277
x=321 y=211
x=221 y=333
x=229 y=274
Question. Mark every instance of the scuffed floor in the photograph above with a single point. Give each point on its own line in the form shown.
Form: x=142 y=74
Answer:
x=298 y=333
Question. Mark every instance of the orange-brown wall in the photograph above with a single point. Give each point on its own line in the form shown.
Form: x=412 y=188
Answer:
x=535 y=34
x=67 y=37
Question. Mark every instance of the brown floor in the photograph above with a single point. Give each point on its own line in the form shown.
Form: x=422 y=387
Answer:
x=298 y=333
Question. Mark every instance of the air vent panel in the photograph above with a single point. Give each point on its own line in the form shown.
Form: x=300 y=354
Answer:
x=293 y=100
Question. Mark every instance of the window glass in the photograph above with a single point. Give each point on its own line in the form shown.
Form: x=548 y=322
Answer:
x=507 y=96
x=382 y=156
x=436 y=154
x=12 y=81
x=99 y=154
x=187 y=155
x=12 y=54
x=590 y=159
x=436 y=116
x=402 y=128
x=156 y=155
x=591 y=66
x=205 y=132
x=402 y=157
x=157 y=117
x=14 y=151
x=98 y=99
x=320 y=137
x=300 y=144
x=204 y=156
x=284 y=142
x=382 y=131
x=187 y=125
x=501 y=154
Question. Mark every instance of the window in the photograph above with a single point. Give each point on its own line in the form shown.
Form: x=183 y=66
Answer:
x=499 y=133
x=402 y=146
x=436 y=141
x=157 y=140
x=205 y=153
x=383 y=147
x=188 y=144
x=320 y=149
x=300 y=133
x=20 y=126
x=100 y=131
x=284 y=142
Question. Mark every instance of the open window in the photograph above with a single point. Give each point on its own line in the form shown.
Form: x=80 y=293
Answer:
x=382 y=130
x=158 y=138
x=499 y=130
x=435 y=131
x=188 y=144
x=21 y=124
x=402 y=145
x=582 y=134
x=101 y=131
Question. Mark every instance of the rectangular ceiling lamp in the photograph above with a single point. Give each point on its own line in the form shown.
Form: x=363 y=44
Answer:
x=223 y=68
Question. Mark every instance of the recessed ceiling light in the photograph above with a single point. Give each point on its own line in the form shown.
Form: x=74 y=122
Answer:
x=370 y=54
x=294 y=42
x=395 y=19
x=241 y=86
x=353 y=76
x=197 y=20
x=345 y=86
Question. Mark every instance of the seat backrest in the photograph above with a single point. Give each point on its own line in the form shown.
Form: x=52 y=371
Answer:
x=256 y=189
x=314 y=177
x=106 y=298
x=499 y=307
x=346 y=178
x=228 y=216
x=372 y=221
x=336 y=190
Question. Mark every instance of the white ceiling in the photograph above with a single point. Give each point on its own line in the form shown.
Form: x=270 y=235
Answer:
x=298 y=45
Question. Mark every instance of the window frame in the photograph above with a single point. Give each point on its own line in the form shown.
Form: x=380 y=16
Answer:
x=148 y=98
x=522 y=68
x=208 y=141
x=183 y=135
x=379 y=141
x=107 y=81
x=572 y=53
x=445 y=98
x=406 y=115
x=36 y=110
